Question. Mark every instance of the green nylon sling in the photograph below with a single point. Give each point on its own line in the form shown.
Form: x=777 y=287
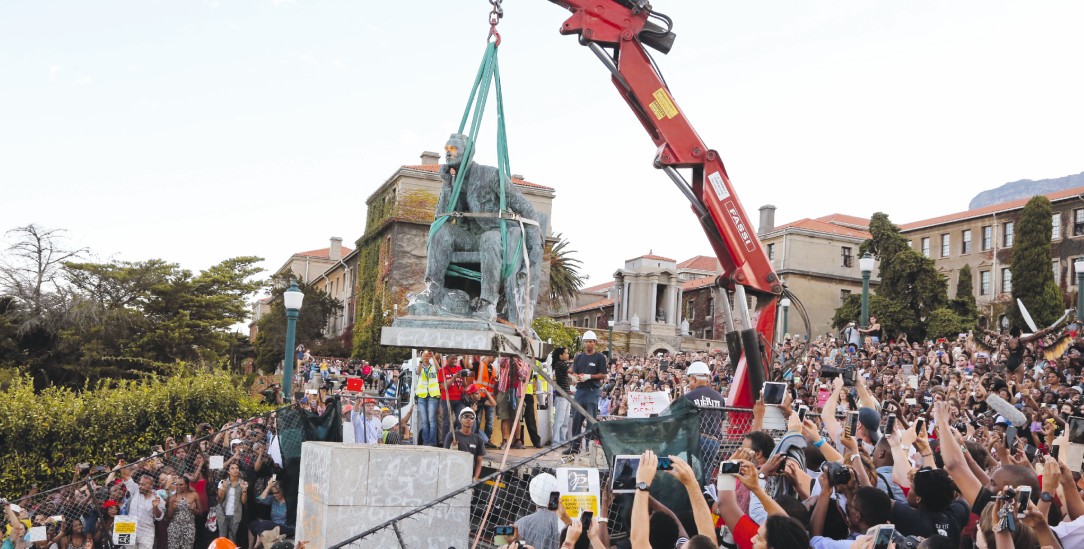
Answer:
x=489 y=74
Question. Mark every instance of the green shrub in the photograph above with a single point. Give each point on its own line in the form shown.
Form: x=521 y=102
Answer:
x=43 y=436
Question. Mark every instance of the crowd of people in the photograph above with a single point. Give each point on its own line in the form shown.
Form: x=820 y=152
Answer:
x=952 y=443
x=210 y=484
x=947 y=443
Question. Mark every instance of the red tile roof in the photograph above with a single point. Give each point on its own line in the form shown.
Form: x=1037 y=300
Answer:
x=601 y=304
x=697 y=283
x=701 y=263
x=822 y=227
x=598 y=287
x=652 y=257
x=844 y=219
x=435 y=168
x=323 y=253
x=993 y=208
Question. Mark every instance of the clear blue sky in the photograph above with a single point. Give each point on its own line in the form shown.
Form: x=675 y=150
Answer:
x=195 y=131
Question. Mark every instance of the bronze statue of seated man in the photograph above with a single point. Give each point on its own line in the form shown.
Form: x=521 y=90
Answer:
x=475 y=226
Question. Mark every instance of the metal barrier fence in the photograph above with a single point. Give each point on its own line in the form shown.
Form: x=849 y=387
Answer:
x=81 y=501
x=385 y=406
x=509 y=488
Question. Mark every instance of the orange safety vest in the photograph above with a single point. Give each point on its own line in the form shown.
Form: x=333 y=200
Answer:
x=487 y=377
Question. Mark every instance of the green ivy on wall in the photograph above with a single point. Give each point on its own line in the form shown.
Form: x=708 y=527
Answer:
x=373 y=297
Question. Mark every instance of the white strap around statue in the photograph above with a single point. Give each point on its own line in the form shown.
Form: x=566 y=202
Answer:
x=511 y=216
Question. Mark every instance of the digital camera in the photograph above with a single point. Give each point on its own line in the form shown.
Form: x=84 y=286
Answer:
x=848 y=374
x=837 y=473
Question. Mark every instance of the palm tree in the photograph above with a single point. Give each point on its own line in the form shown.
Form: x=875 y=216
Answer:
x=565 y=277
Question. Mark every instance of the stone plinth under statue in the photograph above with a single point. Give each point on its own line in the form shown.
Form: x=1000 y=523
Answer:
x=457 y=335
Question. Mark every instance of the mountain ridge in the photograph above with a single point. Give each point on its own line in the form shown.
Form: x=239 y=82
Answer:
x=1025 y=188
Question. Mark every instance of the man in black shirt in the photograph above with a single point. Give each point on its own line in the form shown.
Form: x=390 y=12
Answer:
x=937 y=511
x=710 y=403
x=588 y=371
x=467 y=440
x=561 y=376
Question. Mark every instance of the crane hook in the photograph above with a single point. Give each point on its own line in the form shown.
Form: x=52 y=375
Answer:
x=495 y=16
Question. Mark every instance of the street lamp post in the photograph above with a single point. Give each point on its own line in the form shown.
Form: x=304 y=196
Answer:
x=292 y=299
x=785 y=304
x=866 y=264
x=1079 y=266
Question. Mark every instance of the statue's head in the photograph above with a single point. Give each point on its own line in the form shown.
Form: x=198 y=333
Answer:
x=454 y=149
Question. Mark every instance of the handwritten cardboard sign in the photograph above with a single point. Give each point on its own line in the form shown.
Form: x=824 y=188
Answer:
x=646 y=404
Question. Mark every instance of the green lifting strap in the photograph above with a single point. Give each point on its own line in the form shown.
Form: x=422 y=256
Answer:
x=488 y=74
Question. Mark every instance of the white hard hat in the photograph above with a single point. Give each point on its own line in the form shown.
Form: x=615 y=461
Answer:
x=586 y=335
x=698 y=368
x=540 y=488
x=388 y=422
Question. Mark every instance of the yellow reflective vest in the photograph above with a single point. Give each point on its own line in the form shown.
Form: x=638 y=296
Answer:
x=427 y=385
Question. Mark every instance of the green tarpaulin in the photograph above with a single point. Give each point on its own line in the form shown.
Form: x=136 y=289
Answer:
x=675 y=432
x=296 y=426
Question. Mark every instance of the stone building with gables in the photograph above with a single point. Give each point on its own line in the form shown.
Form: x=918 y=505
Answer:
x=984 y=237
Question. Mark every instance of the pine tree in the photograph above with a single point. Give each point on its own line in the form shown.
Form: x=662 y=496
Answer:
x=884 y=243
x=911 y=289
x=1032 y=278
x=964 y=302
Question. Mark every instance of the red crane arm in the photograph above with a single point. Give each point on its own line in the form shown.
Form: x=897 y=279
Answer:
x=624 y=26
x=608 y=23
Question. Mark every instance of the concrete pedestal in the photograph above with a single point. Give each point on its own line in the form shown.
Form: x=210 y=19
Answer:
x=454 y=335
x=346 y=489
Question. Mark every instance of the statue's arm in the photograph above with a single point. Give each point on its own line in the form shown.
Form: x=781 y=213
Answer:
x=445 y=197
x=520 y=205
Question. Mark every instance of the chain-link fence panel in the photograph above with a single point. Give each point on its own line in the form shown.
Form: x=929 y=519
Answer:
x=722 y=430
x=207 y=454
x=397 y=430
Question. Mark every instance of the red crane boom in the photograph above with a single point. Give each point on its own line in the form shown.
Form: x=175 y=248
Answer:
x=617 y=32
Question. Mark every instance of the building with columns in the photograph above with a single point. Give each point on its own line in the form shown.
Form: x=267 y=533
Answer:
x=645 y=303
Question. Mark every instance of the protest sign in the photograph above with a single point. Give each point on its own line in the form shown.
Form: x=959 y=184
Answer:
x=579 y=487
x=124 y=530
x=646 y=404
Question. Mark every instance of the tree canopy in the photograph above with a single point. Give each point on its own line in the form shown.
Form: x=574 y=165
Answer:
x=565 y=277
x=1032 y=278
x=69 y=322
x=964 y=303
x=911 y=289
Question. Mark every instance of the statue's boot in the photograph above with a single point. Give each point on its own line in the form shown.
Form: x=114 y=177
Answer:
x=486 y=311
x=431 y=295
